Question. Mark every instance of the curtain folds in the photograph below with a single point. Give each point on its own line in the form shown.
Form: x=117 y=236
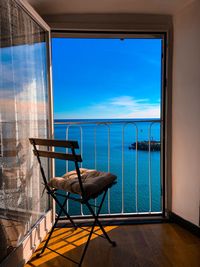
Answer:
x=23 y=114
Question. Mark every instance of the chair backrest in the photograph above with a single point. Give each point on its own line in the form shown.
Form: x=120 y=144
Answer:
x=46 y=143
x=56 y=143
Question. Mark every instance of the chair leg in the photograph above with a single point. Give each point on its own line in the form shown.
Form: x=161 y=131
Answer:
x=66 y=214
x=113 y=243
x=96 y=221
x=52 y=229
x=86 y=245
x=96 y=216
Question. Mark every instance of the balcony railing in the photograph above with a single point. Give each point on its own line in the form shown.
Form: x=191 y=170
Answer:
x=131 y=149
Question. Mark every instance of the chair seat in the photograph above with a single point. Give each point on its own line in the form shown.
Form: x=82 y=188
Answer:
x=94 y=182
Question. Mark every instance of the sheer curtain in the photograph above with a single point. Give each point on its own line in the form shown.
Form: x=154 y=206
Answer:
x=23 y=114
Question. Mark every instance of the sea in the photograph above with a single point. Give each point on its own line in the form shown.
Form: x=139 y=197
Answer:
x=105 y=146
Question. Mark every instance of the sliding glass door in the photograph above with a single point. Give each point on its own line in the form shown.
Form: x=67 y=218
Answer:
x=24 y=113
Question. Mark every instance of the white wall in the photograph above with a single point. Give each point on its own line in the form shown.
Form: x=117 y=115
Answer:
x=186 y=114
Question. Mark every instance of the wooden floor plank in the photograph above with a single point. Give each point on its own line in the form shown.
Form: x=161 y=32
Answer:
x=147 y=245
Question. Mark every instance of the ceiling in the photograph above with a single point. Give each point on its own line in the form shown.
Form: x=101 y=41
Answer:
x=58 y=7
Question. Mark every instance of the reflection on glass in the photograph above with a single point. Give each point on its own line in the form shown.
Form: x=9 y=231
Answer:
x=23 y=114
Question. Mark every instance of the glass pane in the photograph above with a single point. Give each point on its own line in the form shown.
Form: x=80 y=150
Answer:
x=23 y=114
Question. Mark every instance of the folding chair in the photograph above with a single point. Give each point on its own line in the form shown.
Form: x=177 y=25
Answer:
x=86 y=184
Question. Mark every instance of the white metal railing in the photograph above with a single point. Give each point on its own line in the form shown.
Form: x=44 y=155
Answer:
x=136 y=165
x=107 y=124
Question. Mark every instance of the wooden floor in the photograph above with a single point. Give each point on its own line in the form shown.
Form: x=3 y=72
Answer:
x=147 y=245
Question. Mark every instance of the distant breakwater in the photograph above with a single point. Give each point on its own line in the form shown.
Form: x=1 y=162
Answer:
x=145 y=146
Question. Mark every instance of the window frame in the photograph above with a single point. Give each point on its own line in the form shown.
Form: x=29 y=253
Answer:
x=165 y=118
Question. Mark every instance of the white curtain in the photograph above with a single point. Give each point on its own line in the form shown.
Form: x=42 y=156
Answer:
x=23 y=114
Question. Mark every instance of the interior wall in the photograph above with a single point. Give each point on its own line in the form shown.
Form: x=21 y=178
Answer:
x=186 y=111
x=126 y=22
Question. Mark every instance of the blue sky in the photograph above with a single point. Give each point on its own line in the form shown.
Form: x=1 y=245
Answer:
x=23 y=68
x=106 y=78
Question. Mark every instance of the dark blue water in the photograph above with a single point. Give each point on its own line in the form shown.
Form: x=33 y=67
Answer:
x=146 y=195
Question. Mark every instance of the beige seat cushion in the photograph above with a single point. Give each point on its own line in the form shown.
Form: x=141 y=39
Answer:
x=93 y=181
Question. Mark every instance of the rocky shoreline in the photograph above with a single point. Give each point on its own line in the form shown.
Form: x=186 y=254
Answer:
x=144 y=146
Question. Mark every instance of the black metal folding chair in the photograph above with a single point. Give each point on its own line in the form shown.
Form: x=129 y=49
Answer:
x=87 y=184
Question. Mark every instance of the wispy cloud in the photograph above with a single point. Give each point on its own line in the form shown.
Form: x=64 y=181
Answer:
x=126 y=101
x=117 y=107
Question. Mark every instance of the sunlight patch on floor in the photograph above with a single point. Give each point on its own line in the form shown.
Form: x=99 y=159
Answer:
x=62 y=241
